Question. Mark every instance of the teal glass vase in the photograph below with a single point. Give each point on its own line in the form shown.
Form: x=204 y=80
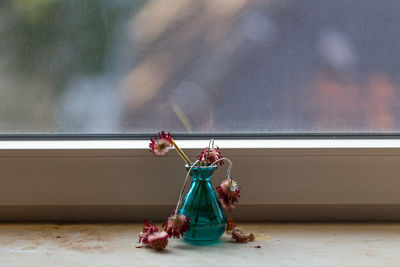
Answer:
x=202 y=206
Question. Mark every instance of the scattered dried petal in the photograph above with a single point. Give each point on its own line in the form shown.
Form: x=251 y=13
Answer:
x=158 y=240
x=176 y=225
x=161 y=144
x=240 y=236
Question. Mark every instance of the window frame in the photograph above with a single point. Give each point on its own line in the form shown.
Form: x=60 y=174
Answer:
x=296 y=179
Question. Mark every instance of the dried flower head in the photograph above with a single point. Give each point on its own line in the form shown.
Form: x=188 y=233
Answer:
x=240 y=236
x=228 y=193
x=158 y=240
x=176 y=225
x=161 y=144
x=148 y=228
x=210 y=155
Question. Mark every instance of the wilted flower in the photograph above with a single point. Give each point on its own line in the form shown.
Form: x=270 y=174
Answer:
x=148 y=229
x=210 y=155
x=161 y=144
x=228 y=193
x=176 y=225
x=240 y=236
x=158 y=240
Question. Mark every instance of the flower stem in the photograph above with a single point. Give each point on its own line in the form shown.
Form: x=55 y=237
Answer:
x=208 y=153
x=183 y=187
x=228 y=172
x=185 y=158
x=198 y=206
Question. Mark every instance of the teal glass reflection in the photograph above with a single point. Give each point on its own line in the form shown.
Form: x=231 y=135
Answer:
x=202 y=206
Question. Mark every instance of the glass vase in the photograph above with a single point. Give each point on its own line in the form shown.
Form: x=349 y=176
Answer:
x=202 y=206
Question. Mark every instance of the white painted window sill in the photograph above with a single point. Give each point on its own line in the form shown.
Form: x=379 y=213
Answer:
x=280 y=245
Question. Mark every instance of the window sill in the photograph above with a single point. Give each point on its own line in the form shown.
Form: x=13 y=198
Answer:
x=275 y=245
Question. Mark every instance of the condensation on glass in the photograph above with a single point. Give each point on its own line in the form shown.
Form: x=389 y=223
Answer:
x=190 y=66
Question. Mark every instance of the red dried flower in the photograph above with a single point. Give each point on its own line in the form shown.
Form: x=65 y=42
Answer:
x=240 y=236
x=176 y=225
x=228 y=193
x=161 y=144
x=210 y=155
x=158 y=240
x=148 y=228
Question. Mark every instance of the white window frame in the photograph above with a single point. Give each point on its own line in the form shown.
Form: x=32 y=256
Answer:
x=281 y=180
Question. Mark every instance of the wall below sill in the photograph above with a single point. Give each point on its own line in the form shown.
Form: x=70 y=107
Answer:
x=244 y=212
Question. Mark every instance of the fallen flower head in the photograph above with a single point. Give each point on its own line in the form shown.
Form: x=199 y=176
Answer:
x=158 y=240
x=148 y=228
x=161 y=144
x=228 y=193
x=176 y=225
x=240 y=236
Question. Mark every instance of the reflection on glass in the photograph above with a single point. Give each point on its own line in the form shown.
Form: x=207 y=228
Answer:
x=242 y=66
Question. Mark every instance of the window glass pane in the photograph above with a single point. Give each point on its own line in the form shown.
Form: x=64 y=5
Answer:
x=237 y=66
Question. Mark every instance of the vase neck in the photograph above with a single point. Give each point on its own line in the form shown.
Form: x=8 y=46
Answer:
x=202 y=173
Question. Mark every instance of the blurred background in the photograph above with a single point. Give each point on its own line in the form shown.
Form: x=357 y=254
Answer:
x=190 y=66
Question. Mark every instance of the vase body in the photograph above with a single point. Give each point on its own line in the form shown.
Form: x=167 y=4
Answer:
x=202 y=206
